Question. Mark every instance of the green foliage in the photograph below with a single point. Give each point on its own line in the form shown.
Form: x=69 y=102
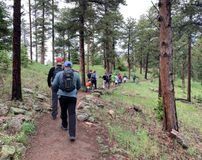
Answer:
x=22 y=138
x=159 y=109
x=24 y=57
x=5 y=59
x=28 y=128
x=121 y=66
x=5 y=31
x=136 y=143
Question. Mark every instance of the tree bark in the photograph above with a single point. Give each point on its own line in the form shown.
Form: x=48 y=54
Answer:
x=53 y=33
x=166 y=74
x=16 y=83
x=30 y=25
x=36 y=34
x=87 y=59
x=43 y=36
x=129 y=64
x=183 y=75
x=189 y=67
x=81 y=41
x=146 y=65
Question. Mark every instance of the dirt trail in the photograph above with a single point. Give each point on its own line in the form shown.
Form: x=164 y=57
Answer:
x=52 y=143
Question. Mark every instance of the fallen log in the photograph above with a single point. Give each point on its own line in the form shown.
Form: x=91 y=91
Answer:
x=175 y=134
x=182 y=100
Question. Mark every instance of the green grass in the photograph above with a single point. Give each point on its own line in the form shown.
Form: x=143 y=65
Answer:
x=22 y=138
x=28 y=128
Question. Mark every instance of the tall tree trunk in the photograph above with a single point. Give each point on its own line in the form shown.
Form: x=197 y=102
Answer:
x=105 y=61
x=36 y=34
x=81 y=41
x=141 y=64
x=189 y=67
x=160 y=90
x=30 y=25
x=43 y=36
x=129 y=64
x=69 y=53
x=16 y=84
x=63 y=47
x=183 y=74
x=53 y=33
x=146 y=65
x=88 y=52
x=170 y=116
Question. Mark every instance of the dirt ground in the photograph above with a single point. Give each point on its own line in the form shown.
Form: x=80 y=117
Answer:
x=52 y=143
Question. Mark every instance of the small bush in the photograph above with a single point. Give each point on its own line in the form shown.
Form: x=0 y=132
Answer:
x=28 y=128
x=24 y=57
x=5 y=59
x=159 y=109
x=22 y=138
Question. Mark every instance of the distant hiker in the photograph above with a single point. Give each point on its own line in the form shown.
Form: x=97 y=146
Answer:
x=108 y=80
x=94 y=79
x=104 y=77
x=89 y=74
x=125 y=78
x=51 y=75
x=117 y=79
x=66 y=84
x=120 y=78
x=113 y=79
x=134 y=77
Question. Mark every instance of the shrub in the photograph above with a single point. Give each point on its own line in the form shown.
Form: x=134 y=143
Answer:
x=28 y=128
x=5 y=59
x=159 y=109
x=24 y=57
x=22 y=138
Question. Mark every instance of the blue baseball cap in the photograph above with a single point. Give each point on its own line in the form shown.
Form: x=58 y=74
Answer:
x=68 y=64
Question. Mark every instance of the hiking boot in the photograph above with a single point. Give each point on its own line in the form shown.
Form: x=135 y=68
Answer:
x=72 y=138
x=54 y=117
x=63 y=128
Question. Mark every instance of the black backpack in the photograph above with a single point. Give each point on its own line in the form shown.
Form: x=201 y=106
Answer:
x=57 y=69
x=68 y=81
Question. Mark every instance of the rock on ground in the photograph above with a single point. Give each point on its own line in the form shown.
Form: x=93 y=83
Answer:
x=7 y=152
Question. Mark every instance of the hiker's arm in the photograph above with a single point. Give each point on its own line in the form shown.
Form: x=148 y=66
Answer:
x=50 y=75
x=55 y=84
x=78 y=83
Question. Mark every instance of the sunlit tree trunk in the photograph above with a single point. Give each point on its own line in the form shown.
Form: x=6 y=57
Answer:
x=166 y=74
x=16 y=83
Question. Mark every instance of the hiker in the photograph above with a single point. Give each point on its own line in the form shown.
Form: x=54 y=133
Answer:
x=113 y=79
x=94 y=79
x=125 y=78
x=120 y=78
x=108 y=80
x=89 y=74
x=117 y=79
x=67 y=83
x=51 y=75
x=134 y=77
x=104 y=77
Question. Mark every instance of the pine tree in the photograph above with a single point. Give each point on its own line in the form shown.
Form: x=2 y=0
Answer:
x=170 y=116
x=16 y=84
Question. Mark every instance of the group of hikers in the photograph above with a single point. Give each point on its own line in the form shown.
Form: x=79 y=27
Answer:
x=65 y=83
x=108 y=78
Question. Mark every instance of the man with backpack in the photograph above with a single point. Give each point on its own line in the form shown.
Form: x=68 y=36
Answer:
x=66 y=84
x=93 y=79
x=51 y=75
